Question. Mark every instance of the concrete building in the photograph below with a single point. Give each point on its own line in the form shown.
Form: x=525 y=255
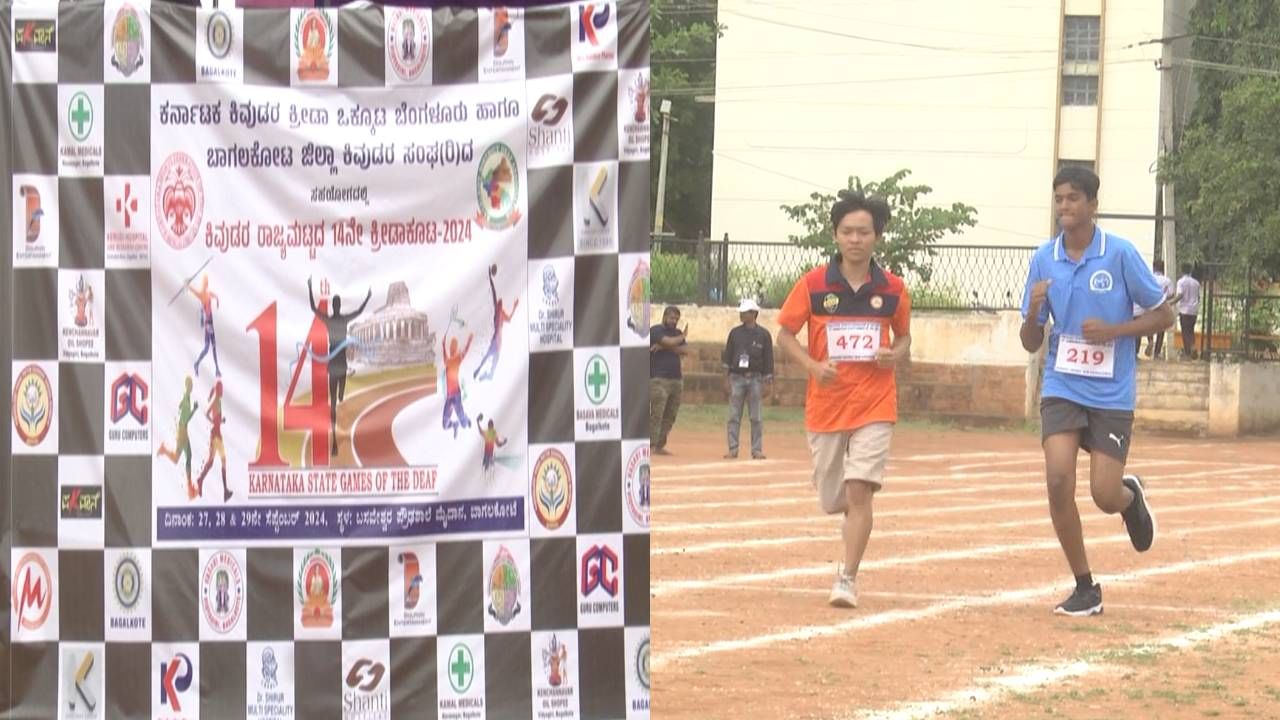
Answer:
x=982 y=100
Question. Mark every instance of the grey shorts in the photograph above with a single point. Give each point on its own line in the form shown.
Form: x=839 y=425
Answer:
x=855 y=455
x=1107 y=431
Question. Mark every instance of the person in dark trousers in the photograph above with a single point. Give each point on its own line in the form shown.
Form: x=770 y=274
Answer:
x=748 y=363
x=336 y=324
x=666 y=382
x=1188 y=300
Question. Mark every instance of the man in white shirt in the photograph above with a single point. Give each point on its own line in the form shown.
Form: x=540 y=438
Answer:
x=1155 y=343
x=1188 y=299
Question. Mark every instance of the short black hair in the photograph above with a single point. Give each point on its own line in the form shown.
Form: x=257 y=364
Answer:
x=1158 y=265
x=670 y=308
x=850 y=201
x=1079 y=177
x=1186 y=268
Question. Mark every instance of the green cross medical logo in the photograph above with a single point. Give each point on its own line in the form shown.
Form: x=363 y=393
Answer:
x=80 y=116
x=461 y=668
x=596 y=379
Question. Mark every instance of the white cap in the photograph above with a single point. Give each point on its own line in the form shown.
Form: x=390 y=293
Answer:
x=748 y=305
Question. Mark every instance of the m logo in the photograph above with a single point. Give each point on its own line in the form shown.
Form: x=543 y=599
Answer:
x=550 y=109
x=591 y=17
x=32 y=592
x=129 y=398
x=171 y=683
x=599 y=570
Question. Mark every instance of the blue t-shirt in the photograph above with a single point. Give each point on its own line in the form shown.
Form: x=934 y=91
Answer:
x=1109 y=280
x=664 y=363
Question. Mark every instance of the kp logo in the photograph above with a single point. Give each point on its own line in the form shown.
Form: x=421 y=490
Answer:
x=129 y=398
x=171 y=683
x=32 y=592
x=591 y=17
x=599 y=570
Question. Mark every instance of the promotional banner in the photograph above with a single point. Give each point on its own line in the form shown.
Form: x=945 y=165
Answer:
x=328 y=381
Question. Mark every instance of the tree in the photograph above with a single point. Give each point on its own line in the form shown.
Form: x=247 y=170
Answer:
x=912 y=229
x=683 y=41
x=1225 y=165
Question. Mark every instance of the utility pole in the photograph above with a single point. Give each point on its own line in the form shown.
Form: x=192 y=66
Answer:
x=665 y=109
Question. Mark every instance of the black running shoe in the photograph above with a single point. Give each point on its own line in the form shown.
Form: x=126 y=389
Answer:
x=1138 y=518
x=1082 y=603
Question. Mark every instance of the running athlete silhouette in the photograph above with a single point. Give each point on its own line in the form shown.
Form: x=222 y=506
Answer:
x=216 y=418
x=186 y=410
x=337 y=327
x=453 y=386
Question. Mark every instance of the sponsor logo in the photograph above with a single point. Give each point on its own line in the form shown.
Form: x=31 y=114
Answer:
x=596 y=379
x=172 y=683
x=33 y=211
x=462 y=668
x=80 y=502
x=81 y=684
x=222 y=591
x=638 y=300
x=317 y=589
x=639 y=94
x=32 y=405
x=32 y=592
x=35 y=35
x=555 y=661
x=270 y=668
x=501 y=31
x=80 y=116
x=313 y=45
x=592 y=17
x=409 y=42
x=498 y=188
x=179 y=200
x=1101 y=282
x=412 y=580
x=552 y=488
x=599 y=570
x=126 y=41
x=637 y=485
x=504 y=587
x=129 y=398
x=218 y=35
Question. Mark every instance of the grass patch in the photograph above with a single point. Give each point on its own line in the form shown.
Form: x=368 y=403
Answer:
x=1177 y=698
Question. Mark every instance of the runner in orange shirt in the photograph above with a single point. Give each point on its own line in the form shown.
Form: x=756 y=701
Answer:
x=850 y=306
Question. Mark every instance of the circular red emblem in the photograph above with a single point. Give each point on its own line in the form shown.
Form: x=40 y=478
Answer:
x=179 y=200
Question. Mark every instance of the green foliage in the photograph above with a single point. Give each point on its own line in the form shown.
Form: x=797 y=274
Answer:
x=912 y=231
x=683 y=48
x=673 y=278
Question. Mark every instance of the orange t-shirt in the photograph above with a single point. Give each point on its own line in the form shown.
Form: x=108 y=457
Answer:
x=863 y=392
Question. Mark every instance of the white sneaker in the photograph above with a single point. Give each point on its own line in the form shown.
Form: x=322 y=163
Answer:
x=844 y=592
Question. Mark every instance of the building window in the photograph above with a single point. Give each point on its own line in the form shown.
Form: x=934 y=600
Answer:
x=1079 y=89
x=1064 y=163
x=1081 y=52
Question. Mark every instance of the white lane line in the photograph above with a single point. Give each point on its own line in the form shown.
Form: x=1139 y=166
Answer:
x=672 y=587
x=828 y=536
x=1032 y=678
x=1007 y=597
x=816 y=518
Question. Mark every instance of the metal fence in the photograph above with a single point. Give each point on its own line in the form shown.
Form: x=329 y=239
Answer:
x=722 y=272
x=1239 y=315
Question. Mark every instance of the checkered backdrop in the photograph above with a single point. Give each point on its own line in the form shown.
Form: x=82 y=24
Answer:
x=400 y=557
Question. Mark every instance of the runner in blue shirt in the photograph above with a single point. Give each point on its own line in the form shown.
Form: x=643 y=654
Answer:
x=1088 y=281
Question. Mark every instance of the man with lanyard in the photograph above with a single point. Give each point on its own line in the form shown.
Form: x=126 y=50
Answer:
x=850 y=305
x=1088 y=281
x=748 y=361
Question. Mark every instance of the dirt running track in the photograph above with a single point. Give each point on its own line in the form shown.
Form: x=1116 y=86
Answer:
x=958 y=585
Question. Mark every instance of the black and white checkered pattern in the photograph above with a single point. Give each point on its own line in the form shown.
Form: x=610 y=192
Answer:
x=79 y=502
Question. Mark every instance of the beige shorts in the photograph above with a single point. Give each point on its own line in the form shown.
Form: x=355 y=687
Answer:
x=841 y=456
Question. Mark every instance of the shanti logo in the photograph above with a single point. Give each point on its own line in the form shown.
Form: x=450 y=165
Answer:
x=171 y=683
x=32 y=592
x=365 y=675
x=596 y=379
x=555 y=658
x=80 y=116
x=501 y=31
x=599 y=570
x=550 y=109
x=498 y=188
x=129 y=398
x=504 y=587
x=219 y=34
x=313 y=41
x=596 y=201
x=33 y=211
x=552 y=488
x=32 y=405
x=179 y=200
x=80 y=502
x=461 y=668
x=412 y=579
x=126 y=41
x=409 y=42
x=592 y=17
x=35 y=35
